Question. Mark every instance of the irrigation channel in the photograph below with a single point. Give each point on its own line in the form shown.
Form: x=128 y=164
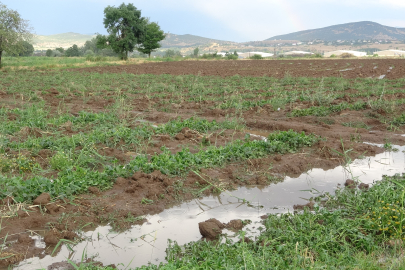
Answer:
x=147 y=243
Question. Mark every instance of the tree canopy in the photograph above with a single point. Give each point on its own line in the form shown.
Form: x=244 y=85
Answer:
x=153 y=35
x=126 y=29
x=72 y=51
x=13 y=32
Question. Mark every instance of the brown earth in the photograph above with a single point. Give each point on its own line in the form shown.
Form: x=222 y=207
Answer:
x=143 y=194
x=347 y=68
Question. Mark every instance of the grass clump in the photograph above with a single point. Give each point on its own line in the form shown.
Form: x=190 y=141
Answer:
x=399 y=121
x=361 y=229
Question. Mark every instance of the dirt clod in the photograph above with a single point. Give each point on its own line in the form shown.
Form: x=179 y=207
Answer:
x=25 y=239
x=363 y=186
x=94 y=190
x=179 y=137
x=235 y=224
x=51 y=238
x=121 y=181
x=22 y=213
x=52 y=208
x=42 y=199
x=350 y=183
x=309 y=205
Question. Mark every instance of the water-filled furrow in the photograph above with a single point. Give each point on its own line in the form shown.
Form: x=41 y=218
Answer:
x=147 y=243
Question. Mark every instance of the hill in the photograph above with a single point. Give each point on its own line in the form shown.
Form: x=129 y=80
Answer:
x=347 y=31
x=64 y=40
x=173 y=40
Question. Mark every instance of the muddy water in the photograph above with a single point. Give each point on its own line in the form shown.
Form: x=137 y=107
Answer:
x=147 y=243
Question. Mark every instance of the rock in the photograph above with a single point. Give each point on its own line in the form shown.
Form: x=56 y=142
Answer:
x=179 y=137
x=94 y=190
x=42 y=199
x=235 y=224
x=211 y=228
x=350 y=183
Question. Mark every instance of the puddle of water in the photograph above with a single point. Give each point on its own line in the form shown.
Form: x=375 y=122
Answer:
x=147 y=243
x=346 y=69
x=381 y=77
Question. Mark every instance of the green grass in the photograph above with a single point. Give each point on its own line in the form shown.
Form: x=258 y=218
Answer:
x=76 y=174
x=353 y=230
x=42 y=62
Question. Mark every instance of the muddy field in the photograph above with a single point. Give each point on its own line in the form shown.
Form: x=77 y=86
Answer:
x=346 y=68
x=109 y=145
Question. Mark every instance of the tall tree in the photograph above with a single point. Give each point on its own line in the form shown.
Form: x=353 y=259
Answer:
x=126 y=29
x=196 y=51
x=72 y=51
x=28 y=49
x=13 y=31
x=153 y=36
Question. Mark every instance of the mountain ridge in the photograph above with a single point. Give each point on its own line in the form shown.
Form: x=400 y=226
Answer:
x=347 y=31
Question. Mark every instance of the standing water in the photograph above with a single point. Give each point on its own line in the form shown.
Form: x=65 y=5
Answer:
x=147 y=243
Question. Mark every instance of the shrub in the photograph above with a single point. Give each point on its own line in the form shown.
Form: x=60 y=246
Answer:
x=98 y=58
x=317 y=55
x=49 y=53
x=256 y=57
x=89 y=52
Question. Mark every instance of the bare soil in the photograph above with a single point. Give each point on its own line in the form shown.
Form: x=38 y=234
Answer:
x=347 y=68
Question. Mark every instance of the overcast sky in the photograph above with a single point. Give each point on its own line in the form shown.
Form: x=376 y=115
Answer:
x=234 y=20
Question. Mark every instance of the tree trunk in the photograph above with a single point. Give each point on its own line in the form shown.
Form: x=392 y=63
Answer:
x=1 y=52
x=149 y=55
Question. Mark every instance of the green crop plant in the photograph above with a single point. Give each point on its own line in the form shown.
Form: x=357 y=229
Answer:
x=76 y=181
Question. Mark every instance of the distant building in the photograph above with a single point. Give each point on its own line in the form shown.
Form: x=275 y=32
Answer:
x=250 y=54
x=297 y=53
x=340 y=52
x=392 y=53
